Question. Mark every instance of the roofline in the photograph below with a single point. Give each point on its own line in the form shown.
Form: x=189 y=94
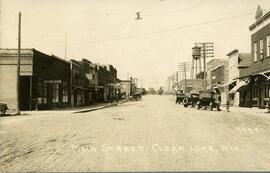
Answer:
x=219 y=59
x=59 y=58
x=259 y=21
x=16 y=49
x=73 y=61
x=35 y=50
x=232 y=52
x=84 y=59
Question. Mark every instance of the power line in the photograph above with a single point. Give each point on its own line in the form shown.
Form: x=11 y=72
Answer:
x=151 y=5
x=131 y=13
x=180 y=10
x=161 y=31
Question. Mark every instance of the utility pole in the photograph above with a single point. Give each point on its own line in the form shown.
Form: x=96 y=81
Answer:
x=18 y=65
x=206 y=51
x=185 y=75
x=177 y=80
x=204 y=67
x=182 y=67
x=0 y=24
x=65 y=46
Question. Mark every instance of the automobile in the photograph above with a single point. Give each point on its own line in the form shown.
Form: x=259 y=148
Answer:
x=179 y=97
x=3 y=108
x=137 y=96
x=209 y=99
x=191 y=99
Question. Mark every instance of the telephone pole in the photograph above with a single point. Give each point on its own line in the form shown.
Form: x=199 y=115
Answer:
x=0 y=24
x=185 y=75
x=177 y=80
x=183 y=68
x=18 y=65
x=65 y=46
x=206 y=51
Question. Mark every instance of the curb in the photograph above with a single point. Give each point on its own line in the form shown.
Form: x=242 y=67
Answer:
x=90 y=110
x=98 y=108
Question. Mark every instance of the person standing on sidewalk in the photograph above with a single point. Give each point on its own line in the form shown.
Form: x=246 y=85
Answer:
x=228 y=106
x=268 y=106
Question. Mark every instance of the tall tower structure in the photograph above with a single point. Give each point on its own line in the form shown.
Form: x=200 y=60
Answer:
x=196 y=62
x=201 y=51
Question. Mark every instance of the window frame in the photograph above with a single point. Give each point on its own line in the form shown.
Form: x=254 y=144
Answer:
x=255 y=51
x=268 y=45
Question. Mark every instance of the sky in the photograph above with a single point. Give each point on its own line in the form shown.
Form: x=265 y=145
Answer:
x=106 y=32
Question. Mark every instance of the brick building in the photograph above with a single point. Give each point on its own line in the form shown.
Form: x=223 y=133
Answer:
x=212 y=64
x=107 y=81
x=191 y=85
x=91 y=80
x=79 y=87
x=218 y=75
x=44 y=80
x=237 y=62
x=256 y=92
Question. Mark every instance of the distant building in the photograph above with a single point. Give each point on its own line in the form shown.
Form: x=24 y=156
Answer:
x=218 y=74
x=44 y=80
x=125 y=88
x=256 y=91
x=90 y=80
x=79 y=89
x=107 y=81
x=237 y=62
x=191 y=85
x=214 y=63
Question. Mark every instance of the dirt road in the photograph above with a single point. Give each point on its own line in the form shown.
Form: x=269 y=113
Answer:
x=154 y=134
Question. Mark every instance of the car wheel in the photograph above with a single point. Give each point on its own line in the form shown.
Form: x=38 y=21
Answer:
x=185 y=101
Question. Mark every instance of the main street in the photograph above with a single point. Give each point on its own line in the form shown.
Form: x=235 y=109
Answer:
x=154 y=134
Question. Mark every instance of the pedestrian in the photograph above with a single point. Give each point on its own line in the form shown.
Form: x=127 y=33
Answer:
x=268 y=111
x=219 y=102
x=228 y=105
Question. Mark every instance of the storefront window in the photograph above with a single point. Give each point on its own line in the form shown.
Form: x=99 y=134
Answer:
x=39 y=94
x=266 y=91
x=255 y=92
x=45 y=91
x=248 y=95
x=65 y=92
x=55 y=98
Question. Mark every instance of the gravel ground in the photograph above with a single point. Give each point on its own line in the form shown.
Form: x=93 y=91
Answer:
x=154 y=134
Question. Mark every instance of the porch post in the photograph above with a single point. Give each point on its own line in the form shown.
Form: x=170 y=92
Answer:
x=30 y=93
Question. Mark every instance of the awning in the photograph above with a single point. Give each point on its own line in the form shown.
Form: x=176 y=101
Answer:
x=237 y=86
x=263 y=73
x=229 y=83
